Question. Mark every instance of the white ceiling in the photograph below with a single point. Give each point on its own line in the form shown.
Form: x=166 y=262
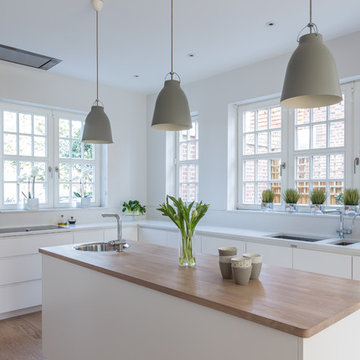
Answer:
x=134 y=34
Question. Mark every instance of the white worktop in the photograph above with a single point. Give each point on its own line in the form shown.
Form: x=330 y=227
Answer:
x=263 y=237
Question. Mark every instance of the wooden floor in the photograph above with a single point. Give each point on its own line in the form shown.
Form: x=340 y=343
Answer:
x=20 y=338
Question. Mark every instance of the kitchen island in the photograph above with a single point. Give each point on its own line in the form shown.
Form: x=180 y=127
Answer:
x=140 y=305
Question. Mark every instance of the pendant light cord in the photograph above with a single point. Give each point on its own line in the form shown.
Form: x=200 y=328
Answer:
x=97 y=58
x=172 y=40
x=311 y=23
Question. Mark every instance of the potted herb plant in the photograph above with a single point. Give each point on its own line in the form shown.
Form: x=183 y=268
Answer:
x=318 y=197
x=291 y=197
x=134 y=208
x=351 y=200
x=185 y=217
x=267 y=200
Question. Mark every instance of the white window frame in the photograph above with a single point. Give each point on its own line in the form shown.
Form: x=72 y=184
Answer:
x=282 y=155
x=288 y=153
x=178 y=162
x=52 y=159
x=347 y=90
x=57 y=160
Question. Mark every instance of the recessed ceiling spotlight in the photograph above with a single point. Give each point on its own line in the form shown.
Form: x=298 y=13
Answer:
x=136 y=76
x=191 y=55
x=270 y=24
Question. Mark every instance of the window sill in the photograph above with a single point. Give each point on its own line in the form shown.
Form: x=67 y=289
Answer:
x=17 y=211
x=283 y=212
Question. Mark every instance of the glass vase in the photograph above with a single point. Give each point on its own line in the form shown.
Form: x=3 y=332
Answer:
x=186 y=257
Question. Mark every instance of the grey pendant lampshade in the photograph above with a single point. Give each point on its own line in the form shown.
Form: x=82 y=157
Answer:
x=311 y=78
x=97 y=129
x=172 y=111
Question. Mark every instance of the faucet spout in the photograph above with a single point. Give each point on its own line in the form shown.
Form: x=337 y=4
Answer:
x=342 y=231
x=119 y=225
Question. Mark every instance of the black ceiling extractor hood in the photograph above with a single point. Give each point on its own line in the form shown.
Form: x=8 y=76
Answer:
x=27 y=58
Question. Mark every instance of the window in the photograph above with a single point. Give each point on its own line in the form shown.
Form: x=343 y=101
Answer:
x=306 y=149
x=260 y=152
x=187 y=163
x=77 y=172
x=47 y=143
x=320 y=151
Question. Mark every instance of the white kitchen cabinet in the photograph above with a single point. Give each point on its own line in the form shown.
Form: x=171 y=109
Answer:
x=30 y=244
x=323 y=262
x=173 y=238
x=272 y=255
x=20 y=296
x=87 y=236
x=153 y=236
x=20 y=268
x=210 y=244
x=111 y=234
x=356 y=267
x=130 y=233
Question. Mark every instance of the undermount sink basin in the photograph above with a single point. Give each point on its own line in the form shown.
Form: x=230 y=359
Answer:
x=344 y=242
x=29 y=229
x=101 y=246
x=296 y=237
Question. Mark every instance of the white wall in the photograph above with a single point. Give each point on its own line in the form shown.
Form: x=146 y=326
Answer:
x=211 y=98
x=127 y=113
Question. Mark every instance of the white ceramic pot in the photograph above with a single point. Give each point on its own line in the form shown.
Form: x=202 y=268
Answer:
x=32 y=204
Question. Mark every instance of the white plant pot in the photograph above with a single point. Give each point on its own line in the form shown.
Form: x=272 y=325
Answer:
x=32 y=204
x=83 y=203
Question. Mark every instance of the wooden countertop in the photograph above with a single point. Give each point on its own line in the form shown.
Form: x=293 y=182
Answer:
x=296 y=302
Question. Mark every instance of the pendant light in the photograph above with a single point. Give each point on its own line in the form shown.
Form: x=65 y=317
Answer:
x=172 y=111
x=97 y=129
x=311 y=78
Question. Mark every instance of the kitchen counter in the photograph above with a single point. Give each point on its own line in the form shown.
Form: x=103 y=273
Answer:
x=61 y=229
x=264 y=237
x=302 y=305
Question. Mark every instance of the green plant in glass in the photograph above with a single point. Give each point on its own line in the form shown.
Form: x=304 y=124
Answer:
x=291 y=196
x=133 y=207
x=318 y=197
x=185 y=217
x=267 y=196
x=351 y=197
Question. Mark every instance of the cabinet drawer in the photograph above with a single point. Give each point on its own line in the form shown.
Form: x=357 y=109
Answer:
x=210 y=244
x=20 y=296
x=323 y=263
x=20 y=268
x=86 y=236
x=153 y=236
x=30 y=244
x=272 y=255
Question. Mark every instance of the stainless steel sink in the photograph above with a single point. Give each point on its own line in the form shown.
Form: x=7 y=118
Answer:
x=29 y=229
x=296 y=237
x=103 y=246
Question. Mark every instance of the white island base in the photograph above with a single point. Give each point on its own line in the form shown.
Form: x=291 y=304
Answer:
x=89 y=315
